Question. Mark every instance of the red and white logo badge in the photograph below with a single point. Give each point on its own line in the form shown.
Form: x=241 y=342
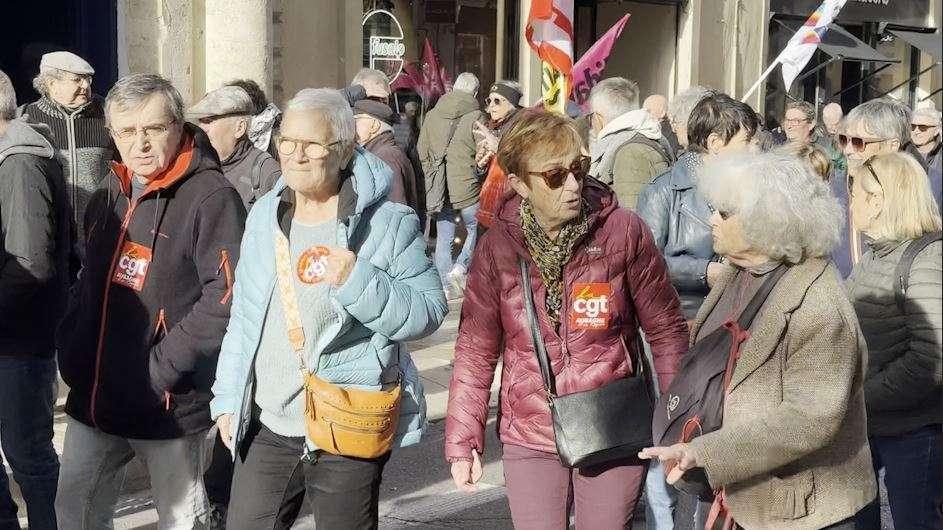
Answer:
x=133 y=264
x=589 y=307
x=312 y=265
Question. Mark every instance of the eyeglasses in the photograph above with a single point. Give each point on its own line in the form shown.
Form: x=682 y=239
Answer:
x=867 y=164
x=150 y=132
x=860 y=144
x=554 y=178
x=795 y=121
x=311 y=149
x=493 y=101
x=921 y=127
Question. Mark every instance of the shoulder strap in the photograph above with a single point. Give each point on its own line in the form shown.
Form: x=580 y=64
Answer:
x=542 y=359
x=296 y=332
x=902 y=272
x=654 y=144
x=256 y=175
x=448 y=141
x=752 y=308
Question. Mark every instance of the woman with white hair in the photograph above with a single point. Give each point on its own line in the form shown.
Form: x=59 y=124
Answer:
x=897 y=290
x=335 y=281
x=792 y=451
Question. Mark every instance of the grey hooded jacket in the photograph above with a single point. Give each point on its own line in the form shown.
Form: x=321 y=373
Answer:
x=34 y=240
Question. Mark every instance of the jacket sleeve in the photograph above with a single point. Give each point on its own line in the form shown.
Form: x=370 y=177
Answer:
x=655 y=301
x=633 y=169
x=823 y=361
x=477 y=349
x=195 y=339
x=461 y=169
x=28 y=222
x=654 y=208
x=396 y=293
x=915 y=375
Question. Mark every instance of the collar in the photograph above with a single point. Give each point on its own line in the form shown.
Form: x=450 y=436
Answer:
x=639 y=121
x=243 y=146
x=177 y=170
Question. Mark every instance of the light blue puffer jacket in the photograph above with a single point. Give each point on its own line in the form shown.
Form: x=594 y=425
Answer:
x=393 y=295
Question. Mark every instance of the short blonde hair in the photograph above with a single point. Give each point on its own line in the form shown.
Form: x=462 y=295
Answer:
x=813 y=154
x=910 y=210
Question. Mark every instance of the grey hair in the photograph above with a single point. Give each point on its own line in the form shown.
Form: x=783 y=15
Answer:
x=613 y=97
x=42 y=79
x=785 y=209
x=682 y=105
x=134 y=90
x=368 y=74
x=334 y=107
x=884 y=118
x=7 y=98
x=466 y=82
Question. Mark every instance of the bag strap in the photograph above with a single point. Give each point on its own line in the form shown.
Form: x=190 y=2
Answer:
x=296 y=332
x=542 y=359
x=902 y=271
x=753 y=308
x=452 y=128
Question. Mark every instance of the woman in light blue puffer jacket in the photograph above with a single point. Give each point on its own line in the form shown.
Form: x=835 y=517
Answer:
x=363 y=286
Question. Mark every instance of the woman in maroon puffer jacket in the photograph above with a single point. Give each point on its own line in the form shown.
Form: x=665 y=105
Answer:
x=597 y=277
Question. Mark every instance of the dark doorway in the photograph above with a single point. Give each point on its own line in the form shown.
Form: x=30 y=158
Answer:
x=34 y=27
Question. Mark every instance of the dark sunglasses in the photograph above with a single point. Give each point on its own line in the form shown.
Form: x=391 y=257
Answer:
x=867 y=164
x=493 y=101
x=858 y=143
x=554 y=178
x=921 y=127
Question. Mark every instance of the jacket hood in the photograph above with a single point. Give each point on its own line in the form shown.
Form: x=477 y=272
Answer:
x=26 y=138
x=196 y=154
x=456 y=104
x=601 y=199
x=639 y=121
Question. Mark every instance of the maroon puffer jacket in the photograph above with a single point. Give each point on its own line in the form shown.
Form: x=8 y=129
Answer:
x=617 y=259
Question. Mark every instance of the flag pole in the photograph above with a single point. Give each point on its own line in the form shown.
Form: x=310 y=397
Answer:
x=760 y=80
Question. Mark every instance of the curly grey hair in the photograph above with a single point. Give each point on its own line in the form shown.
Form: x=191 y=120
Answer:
x=681 y=106
x=134 y=90
x=370 y=74
x=334 y=107
x=785 y=209
x=7 y=98
x=42 y=79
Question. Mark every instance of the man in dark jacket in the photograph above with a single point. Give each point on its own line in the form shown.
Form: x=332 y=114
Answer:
x=375 y=133
x=76 y=118
x=34 y=239
x=225 y=115
x=139 y=343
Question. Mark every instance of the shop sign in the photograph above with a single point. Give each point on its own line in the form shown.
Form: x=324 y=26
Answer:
x=384 y=48
x=914 y=13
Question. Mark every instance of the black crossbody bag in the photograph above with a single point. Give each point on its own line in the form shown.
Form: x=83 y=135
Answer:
x=608 y=423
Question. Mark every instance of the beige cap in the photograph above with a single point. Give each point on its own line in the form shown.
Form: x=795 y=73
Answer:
x=225 y=101
x=66 y=61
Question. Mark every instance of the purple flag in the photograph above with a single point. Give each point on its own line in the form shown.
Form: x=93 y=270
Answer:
x=588 y=70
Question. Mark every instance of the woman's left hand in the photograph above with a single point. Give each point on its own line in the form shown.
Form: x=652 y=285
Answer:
x=679 y=454
x=340 y=262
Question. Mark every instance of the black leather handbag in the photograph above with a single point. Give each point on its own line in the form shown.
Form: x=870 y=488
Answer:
x=612 y=422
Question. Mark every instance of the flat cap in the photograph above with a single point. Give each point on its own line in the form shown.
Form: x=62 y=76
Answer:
x=926 y=116
x=225 y=101
x=66 y=61
x=375 y=109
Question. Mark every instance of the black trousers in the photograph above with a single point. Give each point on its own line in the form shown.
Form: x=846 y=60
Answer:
x=271 y=480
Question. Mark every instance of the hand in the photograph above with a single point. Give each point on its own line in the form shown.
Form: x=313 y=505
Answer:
x=488 y=138
x=713 y=272
x=678 y=455
x=339 y=264
x=467 y=473
x=224 y=423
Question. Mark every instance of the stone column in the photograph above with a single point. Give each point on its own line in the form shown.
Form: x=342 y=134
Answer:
x=238 y=42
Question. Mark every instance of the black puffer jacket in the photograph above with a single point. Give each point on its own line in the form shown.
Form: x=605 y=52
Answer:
x=679 y=218
x=139 y=343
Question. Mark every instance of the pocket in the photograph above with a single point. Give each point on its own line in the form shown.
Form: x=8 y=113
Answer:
x=225 y=268
x=792 y=497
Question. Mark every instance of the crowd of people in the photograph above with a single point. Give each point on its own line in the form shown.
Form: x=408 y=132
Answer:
x=235 y=276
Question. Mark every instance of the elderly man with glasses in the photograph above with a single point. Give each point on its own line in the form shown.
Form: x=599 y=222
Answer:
x=139 y=342
x=76 y=119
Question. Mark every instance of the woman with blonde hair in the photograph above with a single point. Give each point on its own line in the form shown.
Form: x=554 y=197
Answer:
x=896 y=291
x=814 y=155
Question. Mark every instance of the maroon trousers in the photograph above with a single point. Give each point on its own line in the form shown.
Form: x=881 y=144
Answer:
x=540 y=490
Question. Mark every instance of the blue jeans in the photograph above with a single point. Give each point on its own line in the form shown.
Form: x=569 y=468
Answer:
x=661 y=498
x=27 y=398
x=913 y=476
x=445 y=237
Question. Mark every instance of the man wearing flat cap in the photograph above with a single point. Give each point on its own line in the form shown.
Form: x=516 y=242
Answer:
x=374 y=121
x=225 y=114
x=77 y=120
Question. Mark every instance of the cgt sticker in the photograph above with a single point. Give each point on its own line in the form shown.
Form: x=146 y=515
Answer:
x=132 y=266
x=312 y=265
x=589 y=308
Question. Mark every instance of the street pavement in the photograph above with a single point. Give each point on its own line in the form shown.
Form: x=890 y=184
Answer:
x=417 y=490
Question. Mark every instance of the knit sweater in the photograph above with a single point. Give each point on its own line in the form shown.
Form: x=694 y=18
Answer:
x=903 y=388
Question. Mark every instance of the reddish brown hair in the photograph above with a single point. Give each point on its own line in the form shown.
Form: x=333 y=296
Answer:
x=536 y=135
